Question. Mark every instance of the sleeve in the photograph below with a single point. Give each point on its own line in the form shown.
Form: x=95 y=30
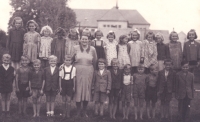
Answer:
x=167 y=51
x=9 y=40
x=109 y=81
x=142 y=51
x=185 y=51
x=25 y=41
x=94 y=54
x=74 y=72
x=192 y=87
x=38 y=41
x=53 y=46
x=61 y=73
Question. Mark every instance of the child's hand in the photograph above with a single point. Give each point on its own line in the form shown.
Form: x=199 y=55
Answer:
x=41 y=92
x=61 y=66
x=31 y=92
x=108 y=91
x=27 y=88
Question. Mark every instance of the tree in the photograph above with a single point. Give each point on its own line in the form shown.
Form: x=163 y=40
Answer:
x=54 y=13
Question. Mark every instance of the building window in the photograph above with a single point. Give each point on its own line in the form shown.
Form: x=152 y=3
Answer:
x=108 y=25
x=119 y=26
x=114 y=26
x=104 y=25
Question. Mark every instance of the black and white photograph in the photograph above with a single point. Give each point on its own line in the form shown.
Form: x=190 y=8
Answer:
x=100 y=61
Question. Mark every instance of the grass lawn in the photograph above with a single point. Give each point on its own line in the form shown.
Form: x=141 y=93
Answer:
x=195 y=112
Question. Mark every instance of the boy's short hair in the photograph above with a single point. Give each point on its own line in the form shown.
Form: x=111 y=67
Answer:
x=6 y=56
x=152 y=67
x=184 y=62
x=68 y=57
x=168 y=60
x=140 y=66
x=37 y=61
x=114 y=60
x=25 y=57
x=127 y=66
x=102 y=60
x=52 y=57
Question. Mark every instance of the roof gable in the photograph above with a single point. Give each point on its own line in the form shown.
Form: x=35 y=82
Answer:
x=89 y=17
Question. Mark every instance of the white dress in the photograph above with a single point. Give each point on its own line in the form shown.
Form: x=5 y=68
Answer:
x=45 y=47
x=111 y=51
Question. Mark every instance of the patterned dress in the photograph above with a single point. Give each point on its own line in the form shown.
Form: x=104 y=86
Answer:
x=150 y=53
x=31 y=43
x=111 y=51
x=136 y=52
x=176 y=54
x=123 y=56
x=84 y=63
x=45 y=47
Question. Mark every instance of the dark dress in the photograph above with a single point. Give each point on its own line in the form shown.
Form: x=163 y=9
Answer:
x=58 y=49
x=6 y=79
x=15 y=43
x=100 y=50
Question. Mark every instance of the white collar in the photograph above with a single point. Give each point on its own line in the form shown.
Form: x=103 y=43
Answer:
x=6 y=67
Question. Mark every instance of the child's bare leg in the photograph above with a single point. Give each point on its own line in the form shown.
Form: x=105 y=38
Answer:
x=135 y=107
x=162 y=109
x=167 y=107
x=141 y=108
x=8 y=101
x=111 y=110
x=115 y=109
x=48 y=108
x=124 y=109
x=101 y=108
x=68 y=106
x=38 y=106
x=20 y=105
x=64 y=99
x=153 y=109
x=24 y=105
x=96 y=108
x=127 y=109
x=3 y=104
x=34 y=109
x=148 y=108
x=52 y=105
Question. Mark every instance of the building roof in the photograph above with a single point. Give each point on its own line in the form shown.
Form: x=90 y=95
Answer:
x=89 y=17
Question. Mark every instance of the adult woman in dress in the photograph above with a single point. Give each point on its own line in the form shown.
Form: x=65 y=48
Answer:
x=85 y=62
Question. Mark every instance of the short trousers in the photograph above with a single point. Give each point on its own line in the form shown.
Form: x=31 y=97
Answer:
x=100 y=96
x=114 y=96
x=36 y=93
x=23 y=93
x=51 y=93
x=67 y=87
x=151 y=94
x=126 y=93
x=138 y=92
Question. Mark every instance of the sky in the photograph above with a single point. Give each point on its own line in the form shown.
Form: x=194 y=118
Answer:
x=182 y=15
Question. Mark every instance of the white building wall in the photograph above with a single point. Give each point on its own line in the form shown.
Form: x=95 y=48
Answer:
x=112 y=24
x=141 y=27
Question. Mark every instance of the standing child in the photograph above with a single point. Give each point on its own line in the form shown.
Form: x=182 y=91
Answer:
x=31 y=41
x=51 y=77
x=101 y=86
x=184 y=91
x=67 y=84
x=175 y=50
x=58 y=45
x=22 y=84
x=151 y=90
x=111 y=48
x=166 y=83
x=123 y=50
x=36 y=86
x=45 y=46
x=6 y=84
x=191 y=50
x=72 y=40
x=136 y=50
x=99 y=44
x=117 y=77
x=139 y=87
x=15 y=41
x=163 y=51
x=150 y=51
x=126 y=90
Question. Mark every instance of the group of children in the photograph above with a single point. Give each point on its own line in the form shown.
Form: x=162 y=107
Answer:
x=126 y=69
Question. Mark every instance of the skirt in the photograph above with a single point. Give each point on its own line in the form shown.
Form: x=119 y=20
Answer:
x=16 y=51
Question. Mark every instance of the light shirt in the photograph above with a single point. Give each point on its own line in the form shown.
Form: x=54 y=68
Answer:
x=5 y=67
x=52 y=69
x=101 y=71
x=127 y=79
x=67 y=76
x=166 y=74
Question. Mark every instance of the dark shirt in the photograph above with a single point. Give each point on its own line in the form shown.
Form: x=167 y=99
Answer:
x=36 y=79
x=163 y=51
x=117 y=79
